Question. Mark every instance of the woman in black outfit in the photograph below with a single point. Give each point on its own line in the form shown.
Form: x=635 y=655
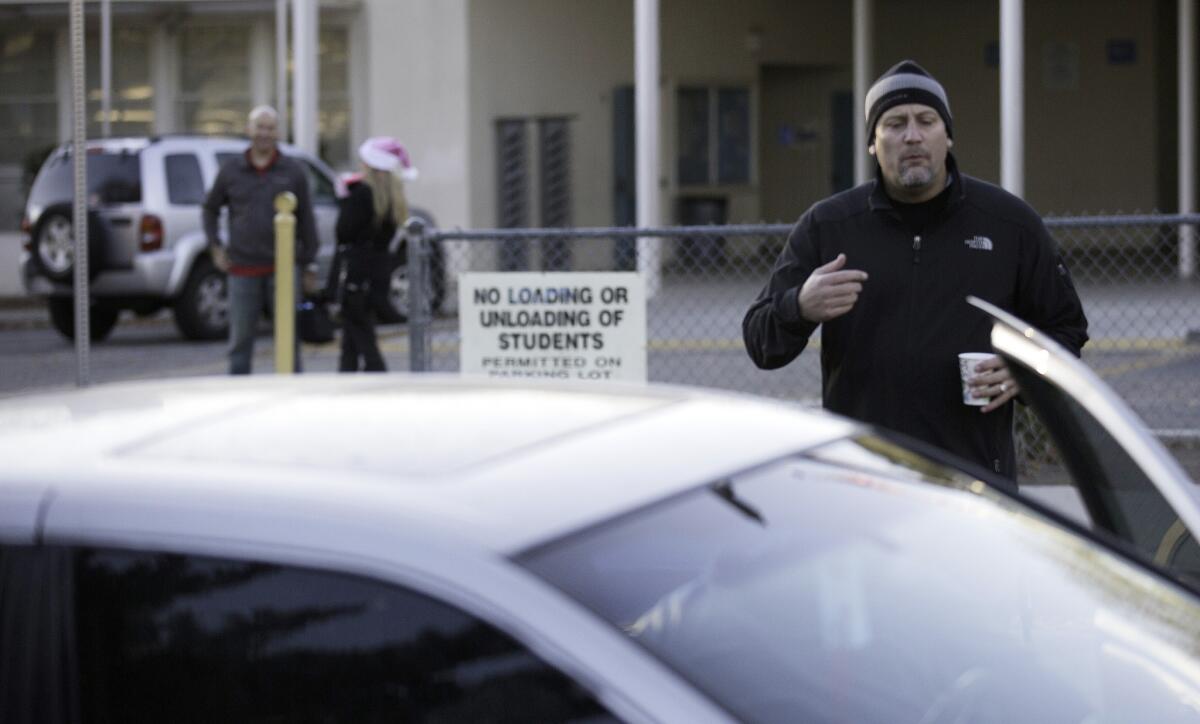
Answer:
x=370 y=214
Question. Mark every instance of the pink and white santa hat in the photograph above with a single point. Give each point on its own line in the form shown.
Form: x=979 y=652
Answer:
x=385 y=153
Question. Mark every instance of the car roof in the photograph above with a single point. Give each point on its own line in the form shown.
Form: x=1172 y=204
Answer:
x=508 y=465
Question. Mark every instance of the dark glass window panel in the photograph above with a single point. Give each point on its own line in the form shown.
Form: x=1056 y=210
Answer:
x=1121 y=500
x=115 y=178
x=554 y=165
x=319 y=185
x=733 y=136
x=185 y=184
x=512 y=191
x=162 y=637
x=819 y=592
x=692 y=107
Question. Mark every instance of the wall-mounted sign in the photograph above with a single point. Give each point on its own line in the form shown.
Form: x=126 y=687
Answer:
x=1121 y=51
x=554 y=325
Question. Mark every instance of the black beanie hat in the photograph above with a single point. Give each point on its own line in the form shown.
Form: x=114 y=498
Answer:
x=905 y=82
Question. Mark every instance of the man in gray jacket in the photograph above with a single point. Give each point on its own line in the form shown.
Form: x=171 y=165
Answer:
x=248 y=185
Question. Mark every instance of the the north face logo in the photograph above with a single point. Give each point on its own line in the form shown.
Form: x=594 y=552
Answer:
x=979 y=242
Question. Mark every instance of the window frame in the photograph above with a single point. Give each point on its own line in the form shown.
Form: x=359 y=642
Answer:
x=714 y=148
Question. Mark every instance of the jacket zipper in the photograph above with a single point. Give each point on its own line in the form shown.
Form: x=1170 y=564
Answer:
x=912 y=305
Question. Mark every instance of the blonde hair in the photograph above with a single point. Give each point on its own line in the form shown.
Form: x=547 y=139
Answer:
x=387 y=196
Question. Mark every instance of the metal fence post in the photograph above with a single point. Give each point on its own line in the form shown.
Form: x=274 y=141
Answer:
x=418 y=302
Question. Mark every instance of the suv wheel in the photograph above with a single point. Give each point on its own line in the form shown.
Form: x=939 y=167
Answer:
x=202 y=310
x=54 y=243
x=102 y=317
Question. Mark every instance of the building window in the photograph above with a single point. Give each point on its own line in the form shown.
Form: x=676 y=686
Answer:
x=131 y=102
x=554 y=182
x=713 y=135
x=518 y=169
x=333 y=115
x=28 y=104
x=214 y=89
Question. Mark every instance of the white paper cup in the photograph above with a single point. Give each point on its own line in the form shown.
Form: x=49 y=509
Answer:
x=966 y=370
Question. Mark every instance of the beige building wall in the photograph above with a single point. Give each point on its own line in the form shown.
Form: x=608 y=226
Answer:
x=1091 y=140
x=533 y=58
x=416 y=88
x=706 y=42
x=1090 y=127
x=565 y=57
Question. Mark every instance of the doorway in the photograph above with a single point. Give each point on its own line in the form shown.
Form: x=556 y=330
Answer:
x=807 y=128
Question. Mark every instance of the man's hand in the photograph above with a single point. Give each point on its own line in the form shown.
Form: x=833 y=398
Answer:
x=830 y=291
x=993 y=380
x=308 y=282
x=220 y=258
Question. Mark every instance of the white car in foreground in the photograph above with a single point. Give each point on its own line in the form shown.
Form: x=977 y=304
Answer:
x=387 y=548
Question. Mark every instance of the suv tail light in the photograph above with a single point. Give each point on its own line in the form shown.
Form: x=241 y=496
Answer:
x=150 y=235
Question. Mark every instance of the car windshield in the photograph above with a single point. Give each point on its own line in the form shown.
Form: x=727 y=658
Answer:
x=112 y=178
x=866 y=584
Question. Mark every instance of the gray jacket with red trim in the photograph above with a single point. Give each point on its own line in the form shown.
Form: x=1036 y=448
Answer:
x=892 y=361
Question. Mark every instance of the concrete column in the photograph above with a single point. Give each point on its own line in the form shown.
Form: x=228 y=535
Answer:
x=1012 y=96
x=1187 y=134
x=262 y=63
x=864 y=62
x=647 y=131
x=105 y=68
x=164 y=78
x=305 y=66
x=281 y=61
x=62 y=85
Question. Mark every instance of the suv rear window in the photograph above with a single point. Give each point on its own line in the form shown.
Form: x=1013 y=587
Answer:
x=115 y=178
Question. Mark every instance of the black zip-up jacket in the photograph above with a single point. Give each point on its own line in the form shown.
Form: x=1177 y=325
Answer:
x=363 y=239
x=892 y=360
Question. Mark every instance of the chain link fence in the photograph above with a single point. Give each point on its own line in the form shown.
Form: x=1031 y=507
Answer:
x=1143 y=313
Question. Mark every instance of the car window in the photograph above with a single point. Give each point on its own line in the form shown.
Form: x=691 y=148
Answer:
x=224 y=157
x=1133 y=490
x=822 y=592
x=112 y=178
x=185 y=184
x=319 y=184
x=1120 y=498
x=141 y=637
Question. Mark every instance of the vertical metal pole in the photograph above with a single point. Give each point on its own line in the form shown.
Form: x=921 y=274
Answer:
x=305 y=19
x=864 y=42
x=79 y=154
x=285 y=283
x=1187 y=135
x=281 y=70
x=418 y=304
x=105 y=68
x=1012 y=96
x=647 y=131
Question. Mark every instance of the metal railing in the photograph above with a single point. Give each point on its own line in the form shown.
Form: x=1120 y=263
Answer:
x=1144 y=319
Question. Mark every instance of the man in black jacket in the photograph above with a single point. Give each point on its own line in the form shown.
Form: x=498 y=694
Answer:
x=885 y=269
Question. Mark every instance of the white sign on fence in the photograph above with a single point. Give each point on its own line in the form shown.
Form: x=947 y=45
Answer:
x=553 y=325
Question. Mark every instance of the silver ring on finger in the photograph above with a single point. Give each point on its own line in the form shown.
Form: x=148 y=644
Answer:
x=1003 y=386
